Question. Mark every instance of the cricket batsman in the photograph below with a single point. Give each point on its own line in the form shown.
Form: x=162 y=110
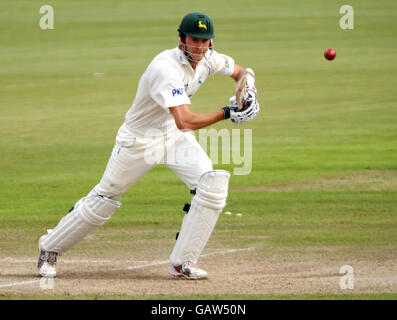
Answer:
x=160 y=122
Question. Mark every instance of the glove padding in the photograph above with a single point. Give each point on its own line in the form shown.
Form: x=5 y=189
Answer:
x=244 y=105
x=245 y=88
x=248 y=113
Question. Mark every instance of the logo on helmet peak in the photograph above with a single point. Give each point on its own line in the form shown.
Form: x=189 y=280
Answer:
x=201 y=25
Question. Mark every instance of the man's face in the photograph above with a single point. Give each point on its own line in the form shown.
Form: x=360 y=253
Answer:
x=197 y=47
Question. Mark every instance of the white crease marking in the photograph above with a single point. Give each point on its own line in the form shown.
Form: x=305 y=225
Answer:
x=158 y=263
x=203 y=255
x=13 y=284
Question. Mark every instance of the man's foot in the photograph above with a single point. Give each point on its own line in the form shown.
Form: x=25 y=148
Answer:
x=187 y=270
x=47 y=264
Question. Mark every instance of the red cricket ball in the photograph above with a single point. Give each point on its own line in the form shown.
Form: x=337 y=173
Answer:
x=330 y=54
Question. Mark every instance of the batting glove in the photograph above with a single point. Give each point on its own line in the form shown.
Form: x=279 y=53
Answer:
x=248 y=113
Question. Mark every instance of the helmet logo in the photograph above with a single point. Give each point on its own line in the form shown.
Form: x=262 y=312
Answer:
x=201 y=25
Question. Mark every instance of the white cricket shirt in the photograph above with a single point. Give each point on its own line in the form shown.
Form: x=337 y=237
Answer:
x=170 y=81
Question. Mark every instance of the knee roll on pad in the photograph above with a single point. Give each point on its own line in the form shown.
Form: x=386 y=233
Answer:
x=197 y=225
x=87 y=214
x=96 y=210
x=212 y=189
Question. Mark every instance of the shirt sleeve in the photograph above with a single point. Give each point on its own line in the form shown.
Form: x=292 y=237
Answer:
x=166 y=87
x=221 y=63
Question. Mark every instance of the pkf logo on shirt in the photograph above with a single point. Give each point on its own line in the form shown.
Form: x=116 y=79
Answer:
x=178 y=91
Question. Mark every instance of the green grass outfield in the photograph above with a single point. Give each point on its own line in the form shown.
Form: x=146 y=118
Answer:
x=324 y=144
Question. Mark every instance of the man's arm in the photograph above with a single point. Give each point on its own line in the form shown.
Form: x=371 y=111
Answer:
x=237 y=73
x=187 y=120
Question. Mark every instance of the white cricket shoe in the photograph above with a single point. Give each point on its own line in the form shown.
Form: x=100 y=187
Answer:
x=47 y=264
x=187 y=270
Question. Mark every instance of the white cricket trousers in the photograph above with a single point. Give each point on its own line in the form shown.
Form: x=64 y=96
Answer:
x=134 y=155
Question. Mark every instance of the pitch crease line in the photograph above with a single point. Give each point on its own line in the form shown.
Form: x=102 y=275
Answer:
x=13 y=284
x=159 y=263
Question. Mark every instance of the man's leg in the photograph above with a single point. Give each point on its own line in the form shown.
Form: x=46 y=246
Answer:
x=211 y=189
x=126 y=165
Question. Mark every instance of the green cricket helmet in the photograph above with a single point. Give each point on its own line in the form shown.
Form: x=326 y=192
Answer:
x=197 y=25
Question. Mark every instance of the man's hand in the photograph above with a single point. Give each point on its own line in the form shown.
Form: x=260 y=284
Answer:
x=248 y=113
x=245 y=88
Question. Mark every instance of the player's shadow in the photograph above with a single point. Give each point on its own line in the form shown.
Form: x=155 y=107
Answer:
x=94 y=275
x=114 y=275
x=25 y=276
